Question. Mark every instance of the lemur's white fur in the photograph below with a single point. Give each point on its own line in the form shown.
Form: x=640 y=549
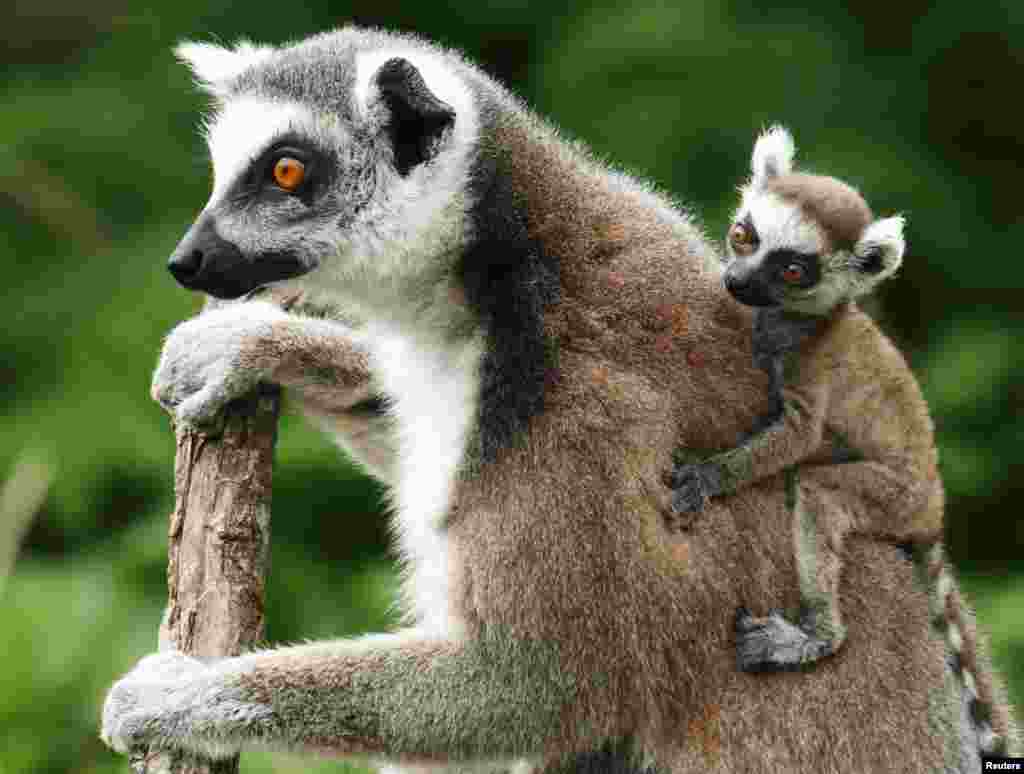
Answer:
x=773 y=155
x=433 y=387
x=885 y=235
x=233 y=142
x=780 y=223
x=214 y=65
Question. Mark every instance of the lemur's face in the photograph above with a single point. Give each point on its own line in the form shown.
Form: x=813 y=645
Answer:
x=805 y=242
x=775 y=255
x=324 y=166
x=277 y=203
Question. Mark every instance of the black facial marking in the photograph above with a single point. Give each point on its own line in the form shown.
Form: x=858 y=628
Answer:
x=257 y=184
x=871 y=263
x=751 y=288
x=763 y=285
x=205 y=261
x=777 y=261
x=510 y=281
x=418 y=117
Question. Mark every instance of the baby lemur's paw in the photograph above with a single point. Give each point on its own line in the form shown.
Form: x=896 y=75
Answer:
x=773 y=644
x=689 y=496
x=693 y=485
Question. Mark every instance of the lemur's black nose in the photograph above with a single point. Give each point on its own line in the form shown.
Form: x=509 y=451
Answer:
x=750 y=289
x=185 y=263
x=206 y=261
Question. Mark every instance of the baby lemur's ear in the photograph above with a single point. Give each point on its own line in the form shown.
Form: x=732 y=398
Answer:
x=773 y=155
x=879 y=250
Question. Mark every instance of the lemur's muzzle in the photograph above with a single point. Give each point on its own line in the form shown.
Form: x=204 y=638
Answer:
x=750 y=289
x=205 y=261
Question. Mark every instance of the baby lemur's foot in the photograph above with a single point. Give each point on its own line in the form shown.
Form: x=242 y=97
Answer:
x=773 y=644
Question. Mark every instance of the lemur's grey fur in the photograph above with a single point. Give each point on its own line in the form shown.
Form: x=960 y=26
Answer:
x=514 y=338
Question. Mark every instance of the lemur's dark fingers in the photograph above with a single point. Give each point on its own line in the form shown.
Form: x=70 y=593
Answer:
x=689 y=497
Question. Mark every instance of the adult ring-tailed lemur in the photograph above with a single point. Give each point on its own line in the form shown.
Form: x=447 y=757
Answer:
x=514 y=338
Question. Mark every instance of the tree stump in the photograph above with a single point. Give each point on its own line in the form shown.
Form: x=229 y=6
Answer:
x=218 y=549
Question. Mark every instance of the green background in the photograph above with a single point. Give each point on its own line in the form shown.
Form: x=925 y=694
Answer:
x=101 y=170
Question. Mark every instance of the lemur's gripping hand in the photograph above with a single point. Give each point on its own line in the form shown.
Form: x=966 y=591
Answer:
x=694 y=484
x=214 y=358
x=155 y=703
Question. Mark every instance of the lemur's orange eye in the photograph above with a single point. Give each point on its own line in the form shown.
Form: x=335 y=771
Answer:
x=289 y=173
x=793 y=273
x=741 y=238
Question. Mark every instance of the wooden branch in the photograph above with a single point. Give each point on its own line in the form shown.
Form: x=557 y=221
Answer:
x=218 y=549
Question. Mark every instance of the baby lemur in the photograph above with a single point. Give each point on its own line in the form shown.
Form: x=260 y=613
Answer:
x=848 y=424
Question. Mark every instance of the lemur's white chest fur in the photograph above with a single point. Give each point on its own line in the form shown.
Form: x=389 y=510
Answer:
x=425 y=354
x=432 y=388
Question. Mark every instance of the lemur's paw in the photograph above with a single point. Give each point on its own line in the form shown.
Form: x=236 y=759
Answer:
x=212 y=359
x=690 y=491
x=694 y=484
x=689 y=497
x=143 y=707
x=773 y=644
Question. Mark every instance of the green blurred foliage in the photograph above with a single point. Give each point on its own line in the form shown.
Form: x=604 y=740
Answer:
x=101 y=170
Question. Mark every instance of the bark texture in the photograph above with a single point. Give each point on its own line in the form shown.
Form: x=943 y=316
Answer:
x=218 y=548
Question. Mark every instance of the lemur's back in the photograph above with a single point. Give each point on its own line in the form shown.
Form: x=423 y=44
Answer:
x=653 y=353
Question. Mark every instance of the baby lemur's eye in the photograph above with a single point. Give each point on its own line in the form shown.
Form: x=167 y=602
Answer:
x=793 y=273
x=742 y=238
x=289 y=173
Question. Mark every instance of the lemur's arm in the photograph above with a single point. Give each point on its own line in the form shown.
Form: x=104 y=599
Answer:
x=790 y=432
x=401 y=695
x=224 y=352
x=795 y=433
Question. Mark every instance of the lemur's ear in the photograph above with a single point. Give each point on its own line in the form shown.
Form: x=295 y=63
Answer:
x=879 y=250
x=213 y=66
x=418 y=118
x=773 y=155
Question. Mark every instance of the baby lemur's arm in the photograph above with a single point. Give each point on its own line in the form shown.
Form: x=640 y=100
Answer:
x=788 y=432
